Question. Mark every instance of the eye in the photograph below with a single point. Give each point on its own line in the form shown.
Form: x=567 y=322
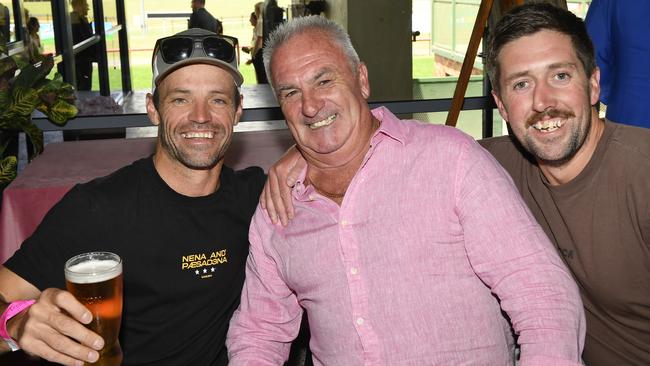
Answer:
x=288 y=93
x=520 y=85
x=218 y=101
x=179 y=101
x=324 y=82
x=561 y=76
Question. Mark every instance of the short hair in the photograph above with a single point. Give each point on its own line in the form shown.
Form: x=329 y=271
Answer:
x=296 y=26
x=32 y=25
x=77 y=2
x=202 y=2
x=531 y=18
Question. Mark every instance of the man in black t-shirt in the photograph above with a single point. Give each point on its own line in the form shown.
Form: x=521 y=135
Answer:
x=201 y=18
x=178 y=219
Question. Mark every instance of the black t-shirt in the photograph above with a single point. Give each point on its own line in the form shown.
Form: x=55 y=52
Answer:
x=183 y=257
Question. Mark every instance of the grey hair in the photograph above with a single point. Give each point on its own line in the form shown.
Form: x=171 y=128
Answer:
x=285 y=31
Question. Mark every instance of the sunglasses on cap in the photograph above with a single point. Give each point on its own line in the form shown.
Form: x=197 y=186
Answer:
x=178 y=48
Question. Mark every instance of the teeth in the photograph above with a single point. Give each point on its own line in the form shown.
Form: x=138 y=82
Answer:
x=326 y=122
x=548 y=125
x=198 y=135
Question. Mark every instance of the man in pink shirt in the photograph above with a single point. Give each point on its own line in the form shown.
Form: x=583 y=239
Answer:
x=408 y=244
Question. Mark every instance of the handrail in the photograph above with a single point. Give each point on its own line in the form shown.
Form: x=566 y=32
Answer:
x=86 y=43
x=113 y=29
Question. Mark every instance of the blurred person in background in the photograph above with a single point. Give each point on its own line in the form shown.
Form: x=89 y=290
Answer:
x=620 y=31
x=201 y=18
x=81 y=30
x=257 y=43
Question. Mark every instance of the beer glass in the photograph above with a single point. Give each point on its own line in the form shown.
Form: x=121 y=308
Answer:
x=95 y=279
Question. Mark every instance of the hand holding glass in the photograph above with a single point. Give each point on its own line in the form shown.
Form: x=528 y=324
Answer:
x=95 y=279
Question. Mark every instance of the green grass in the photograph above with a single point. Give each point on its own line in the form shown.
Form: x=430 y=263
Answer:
x=423 y=67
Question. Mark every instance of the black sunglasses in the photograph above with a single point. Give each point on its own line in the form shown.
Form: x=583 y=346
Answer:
x=175 y=49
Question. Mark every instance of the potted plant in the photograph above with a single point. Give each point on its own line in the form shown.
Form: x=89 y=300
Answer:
x=24 y=87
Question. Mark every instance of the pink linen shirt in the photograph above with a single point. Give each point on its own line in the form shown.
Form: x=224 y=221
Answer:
x=430 y=243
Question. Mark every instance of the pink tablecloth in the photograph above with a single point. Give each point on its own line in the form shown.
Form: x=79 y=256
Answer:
x=46 y=179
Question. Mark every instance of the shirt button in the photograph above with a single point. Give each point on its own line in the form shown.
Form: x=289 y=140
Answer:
x=360 y=321
x=344 y=223
x=354 y=270
x=312 y=197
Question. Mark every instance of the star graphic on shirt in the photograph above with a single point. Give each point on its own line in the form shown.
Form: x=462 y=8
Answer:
x=197 y=271
x=205 y=270
x=212 y=269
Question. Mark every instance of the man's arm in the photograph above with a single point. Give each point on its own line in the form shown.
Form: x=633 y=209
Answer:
x=511 y=254
x=598 y=21
x=268 y=318
x=52 y=327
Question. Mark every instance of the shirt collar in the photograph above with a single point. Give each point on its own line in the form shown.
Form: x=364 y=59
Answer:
x=390 y=126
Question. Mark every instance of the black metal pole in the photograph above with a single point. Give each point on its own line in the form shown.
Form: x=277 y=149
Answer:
x=63 y=40
x=488 y=112
x=124 y=47
x=102 y=58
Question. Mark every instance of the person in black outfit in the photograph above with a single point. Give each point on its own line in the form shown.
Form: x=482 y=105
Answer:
x=4 y=24
x=81 y=30
x=178 y=219
x=201 y=18
x=273 y=16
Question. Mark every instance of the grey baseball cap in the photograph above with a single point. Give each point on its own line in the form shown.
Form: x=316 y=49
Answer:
x=224 y=55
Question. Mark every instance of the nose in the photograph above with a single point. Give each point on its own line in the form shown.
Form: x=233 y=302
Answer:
x=543 y=97
x=200 y=112
x=311 y=103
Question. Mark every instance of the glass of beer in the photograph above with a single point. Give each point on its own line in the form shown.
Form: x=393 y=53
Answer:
x=95 y=279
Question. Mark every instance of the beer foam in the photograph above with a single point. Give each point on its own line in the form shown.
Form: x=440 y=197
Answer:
x=93 y=271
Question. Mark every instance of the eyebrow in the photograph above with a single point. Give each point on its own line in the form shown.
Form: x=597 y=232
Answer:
x=187 y=91
x=325 y=70
x=553 y=66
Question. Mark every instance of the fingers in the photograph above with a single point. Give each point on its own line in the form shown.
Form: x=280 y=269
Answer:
x=66 y=351
x=274 y=206
x=52 y=329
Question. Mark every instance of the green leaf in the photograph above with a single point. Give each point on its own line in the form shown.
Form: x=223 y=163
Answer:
x=8 y=168
x=61 y=111
x=31 y=74
x=10 y=120
x=35 y=135
x=25 y=101
x=8 y=68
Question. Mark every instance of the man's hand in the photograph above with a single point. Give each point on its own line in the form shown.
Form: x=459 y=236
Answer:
x=276 y=196
x=53 y=329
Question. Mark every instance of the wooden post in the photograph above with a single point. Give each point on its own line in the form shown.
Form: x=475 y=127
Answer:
x=472 y=49
x=468 y=62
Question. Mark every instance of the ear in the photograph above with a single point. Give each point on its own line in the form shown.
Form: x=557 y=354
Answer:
x=239 y=111
x=364 y=83
x=594 y=86
x=500 y=105
x=152 y=113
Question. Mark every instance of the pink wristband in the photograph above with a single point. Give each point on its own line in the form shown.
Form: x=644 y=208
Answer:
x=11 y=310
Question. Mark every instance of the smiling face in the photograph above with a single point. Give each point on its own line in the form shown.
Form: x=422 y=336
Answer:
x=195 y=116
x=322 y=97
x=546 y=97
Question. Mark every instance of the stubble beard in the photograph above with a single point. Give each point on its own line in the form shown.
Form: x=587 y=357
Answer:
x=576 y=139
x=187 y=156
